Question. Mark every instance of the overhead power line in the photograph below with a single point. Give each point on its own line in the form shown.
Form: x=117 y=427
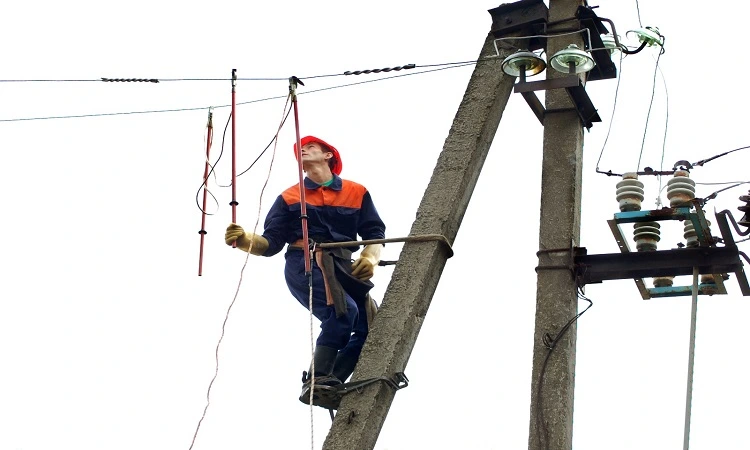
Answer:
x=162 y=80
x=704 y=161
x=79 y=116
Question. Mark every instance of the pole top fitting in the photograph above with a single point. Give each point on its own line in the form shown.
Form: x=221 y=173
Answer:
x=293 y=82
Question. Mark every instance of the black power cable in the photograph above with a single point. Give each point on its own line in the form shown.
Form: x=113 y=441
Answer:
x=221 y=152
x=704 y=161
x=550 y=343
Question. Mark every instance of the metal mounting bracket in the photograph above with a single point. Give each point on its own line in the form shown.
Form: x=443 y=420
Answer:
x=707 y=257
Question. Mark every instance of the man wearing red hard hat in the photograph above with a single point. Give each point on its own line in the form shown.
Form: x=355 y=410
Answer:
x=337 y=211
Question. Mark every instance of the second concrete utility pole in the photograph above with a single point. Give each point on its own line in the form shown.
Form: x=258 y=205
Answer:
x=553 y=372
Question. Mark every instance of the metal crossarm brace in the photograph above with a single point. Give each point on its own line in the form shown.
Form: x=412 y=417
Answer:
x=620 y=266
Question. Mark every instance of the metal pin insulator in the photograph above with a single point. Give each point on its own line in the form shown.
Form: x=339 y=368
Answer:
x=629 y=193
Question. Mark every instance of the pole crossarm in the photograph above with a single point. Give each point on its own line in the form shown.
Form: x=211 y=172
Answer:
x=620 y=266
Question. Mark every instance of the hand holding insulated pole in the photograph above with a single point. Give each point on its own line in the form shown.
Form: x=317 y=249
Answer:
x=253 y=243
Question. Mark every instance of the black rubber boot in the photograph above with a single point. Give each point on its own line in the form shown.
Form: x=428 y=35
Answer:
x=344 y=366
x=324 y=358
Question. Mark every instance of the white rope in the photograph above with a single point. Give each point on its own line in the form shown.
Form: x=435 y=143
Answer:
x=312 y=365
x=239 y=283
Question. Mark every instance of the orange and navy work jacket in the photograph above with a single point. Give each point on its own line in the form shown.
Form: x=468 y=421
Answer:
x=335 y=213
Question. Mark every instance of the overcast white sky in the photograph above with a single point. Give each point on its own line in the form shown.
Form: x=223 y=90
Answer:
x=107 y=334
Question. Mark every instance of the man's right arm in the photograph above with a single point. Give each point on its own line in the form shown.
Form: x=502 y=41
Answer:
x=250 y=242
x=278 y=227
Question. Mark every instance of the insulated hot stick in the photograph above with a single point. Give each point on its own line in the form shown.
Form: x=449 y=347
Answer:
x=234 y=154
x=202 y=231
x=293 y=81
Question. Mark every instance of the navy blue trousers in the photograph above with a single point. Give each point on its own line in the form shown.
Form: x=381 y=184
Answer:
x=346 y=333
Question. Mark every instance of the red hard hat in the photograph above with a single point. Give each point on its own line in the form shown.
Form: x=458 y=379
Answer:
x=337 y=164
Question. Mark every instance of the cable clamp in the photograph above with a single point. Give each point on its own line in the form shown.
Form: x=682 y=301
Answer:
x=312 y=245
x=565 y=259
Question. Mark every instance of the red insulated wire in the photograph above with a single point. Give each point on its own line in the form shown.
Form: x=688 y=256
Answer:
x=202 y=232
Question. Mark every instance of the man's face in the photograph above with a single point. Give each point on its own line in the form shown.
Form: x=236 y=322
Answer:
x=313 y=153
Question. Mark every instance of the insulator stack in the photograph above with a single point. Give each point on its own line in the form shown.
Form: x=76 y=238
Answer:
x=680 y=189
x=745 y=221
x=629 y=192
x=663 y=281
x=646 y=235
x=708 y=278
x=691 y=237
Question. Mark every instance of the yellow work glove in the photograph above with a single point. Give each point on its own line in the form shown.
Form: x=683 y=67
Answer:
x=249 y=242
x=364 y=267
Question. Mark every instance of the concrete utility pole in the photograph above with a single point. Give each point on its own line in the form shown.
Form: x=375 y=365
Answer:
x=551 y=425
x=360 y=417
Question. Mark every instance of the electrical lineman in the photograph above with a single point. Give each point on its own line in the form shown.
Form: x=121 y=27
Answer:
x=336 y=289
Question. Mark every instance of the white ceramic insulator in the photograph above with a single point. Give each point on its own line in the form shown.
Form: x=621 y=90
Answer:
x=629 y=193
x=691 y=237
x=646 y=235
x=663 y=281
x=680 y=189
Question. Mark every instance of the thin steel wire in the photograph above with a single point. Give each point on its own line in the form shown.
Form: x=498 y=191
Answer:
x=650 y=104
x=664 y=141
x=614 y=107
x=638 y=10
